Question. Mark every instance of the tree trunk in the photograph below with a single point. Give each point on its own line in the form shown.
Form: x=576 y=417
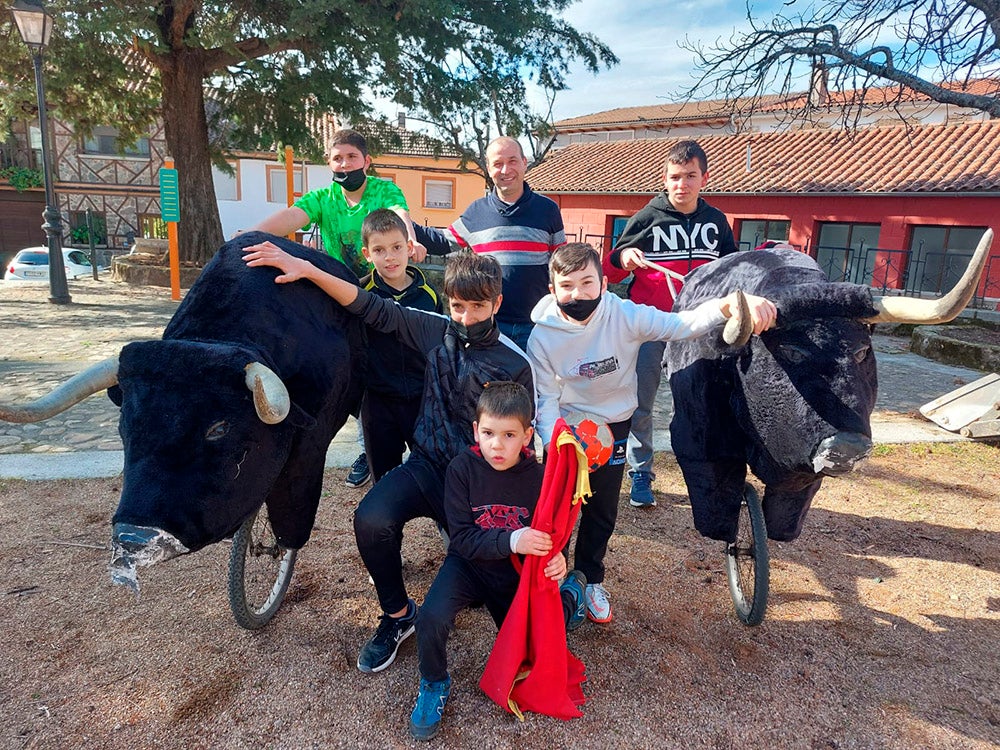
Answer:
x=199 y=230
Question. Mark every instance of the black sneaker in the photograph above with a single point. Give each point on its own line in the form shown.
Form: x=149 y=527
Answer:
x=380 y=651
x=360 y=473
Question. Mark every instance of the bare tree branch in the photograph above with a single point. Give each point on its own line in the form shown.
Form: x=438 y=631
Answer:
x=935 y=50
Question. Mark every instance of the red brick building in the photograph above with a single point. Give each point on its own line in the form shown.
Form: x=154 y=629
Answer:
x=894 y=206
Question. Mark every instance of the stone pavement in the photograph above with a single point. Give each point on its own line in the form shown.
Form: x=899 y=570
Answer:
x=42 y=345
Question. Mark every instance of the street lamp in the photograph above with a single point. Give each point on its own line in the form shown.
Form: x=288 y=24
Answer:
x=35 y=27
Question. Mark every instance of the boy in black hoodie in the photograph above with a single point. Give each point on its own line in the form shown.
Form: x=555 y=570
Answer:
x=394 y=388
x=490 y=493
x=678 y=230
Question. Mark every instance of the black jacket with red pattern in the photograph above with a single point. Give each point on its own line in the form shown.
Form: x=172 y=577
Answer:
x=484 y=506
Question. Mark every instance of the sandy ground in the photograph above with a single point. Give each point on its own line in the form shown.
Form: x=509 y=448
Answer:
x=882 y=631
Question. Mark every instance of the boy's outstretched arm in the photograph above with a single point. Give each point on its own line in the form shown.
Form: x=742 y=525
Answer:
x=292 y=269
x=763 y=312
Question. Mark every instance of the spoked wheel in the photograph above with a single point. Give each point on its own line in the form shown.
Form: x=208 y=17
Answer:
x=259 y=572
x=747 y=562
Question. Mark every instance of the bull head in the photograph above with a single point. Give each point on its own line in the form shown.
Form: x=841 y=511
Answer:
x=793 y=403
x=138 y=546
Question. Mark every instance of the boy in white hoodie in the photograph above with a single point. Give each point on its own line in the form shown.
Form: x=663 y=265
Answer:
x=584 y=347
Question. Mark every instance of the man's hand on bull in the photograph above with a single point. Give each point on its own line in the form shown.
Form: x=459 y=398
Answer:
x=763 y=313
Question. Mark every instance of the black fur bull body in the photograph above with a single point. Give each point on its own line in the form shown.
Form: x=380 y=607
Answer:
x=794 y=403
x=234 y=407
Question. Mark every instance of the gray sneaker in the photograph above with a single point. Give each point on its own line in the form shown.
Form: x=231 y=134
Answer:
x=641 y=494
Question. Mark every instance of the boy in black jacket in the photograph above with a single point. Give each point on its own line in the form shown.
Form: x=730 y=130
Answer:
x=490 y=495
x=464 y=353
x=395 y=385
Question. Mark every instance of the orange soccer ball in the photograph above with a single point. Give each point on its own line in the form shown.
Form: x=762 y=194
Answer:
x=595 y=438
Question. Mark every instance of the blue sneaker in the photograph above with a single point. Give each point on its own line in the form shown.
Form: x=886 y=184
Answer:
x=425 y=721
x=575 y=588
x=641 y=494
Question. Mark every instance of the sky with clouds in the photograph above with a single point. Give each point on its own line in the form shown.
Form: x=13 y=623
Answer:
x=644 y=34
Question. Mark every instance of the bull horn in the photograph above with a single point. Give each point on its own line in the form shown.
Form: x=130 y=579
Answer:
x=739 y=326
x=270 y=397
x=932 y=311
x=98 y=377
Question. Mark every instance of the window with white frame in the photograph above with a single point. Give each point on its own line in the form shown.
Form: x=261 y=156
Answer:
x=439 y=194
x=104 y=141
x=227 y=186
x=277 y=181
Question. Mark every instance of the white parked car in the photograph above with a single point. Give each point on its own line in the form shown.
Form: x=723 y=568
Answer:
x=32 y=264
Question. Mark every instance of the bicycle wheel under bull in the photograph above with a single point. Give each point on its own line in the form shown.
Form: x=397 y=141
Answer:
x=747 y=561
x=259 y=572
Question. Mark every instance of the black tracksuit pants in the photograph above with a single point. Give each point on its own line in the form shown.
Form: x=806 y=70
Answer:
x=388 y=426
x=414 y=489
x=600 y=512
x=459 y=584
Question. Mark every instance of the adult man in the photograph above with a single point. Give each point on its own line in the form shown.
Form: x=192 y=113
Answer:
x=517 y=226
x=678 y=230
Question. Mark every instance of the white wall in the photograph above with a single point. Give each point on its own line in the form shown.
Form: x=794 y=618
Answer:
x=253 y=205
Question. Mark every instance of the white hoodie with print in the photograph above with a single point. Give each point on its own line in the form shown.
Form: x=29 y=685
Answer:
x=591 y=367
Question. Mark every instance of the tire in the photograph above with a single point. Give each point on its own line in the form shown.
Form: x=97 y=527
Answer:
x=259 y=572
x=747 y=561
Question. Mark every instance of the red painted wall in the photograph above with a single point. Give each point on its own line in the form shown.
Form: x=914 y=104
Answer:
x=590 y=217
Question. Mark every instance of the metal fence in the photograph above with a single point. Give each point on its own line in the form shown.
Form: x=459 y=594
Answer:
x=13 y=156
x=908 y=272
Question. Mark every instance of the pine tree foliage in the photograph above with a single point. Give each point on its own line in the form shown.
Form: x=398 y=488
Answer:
x=270 y=67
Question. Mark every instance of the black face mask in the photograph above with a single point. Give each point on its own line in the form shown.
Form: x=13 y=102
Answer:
x=350 y=181
x=579 y=309
x=476 y=333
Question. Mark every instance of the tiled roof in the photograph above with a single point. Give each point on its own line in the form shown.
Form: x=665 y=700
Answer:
x=721 y=109
x=385 y=138
x=882 y=95
x=715 y=109
x=403 y=142
x=928 y=159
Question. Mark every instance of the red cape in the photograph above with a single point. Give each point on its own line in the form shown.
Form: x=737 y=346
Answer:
x=530 y=667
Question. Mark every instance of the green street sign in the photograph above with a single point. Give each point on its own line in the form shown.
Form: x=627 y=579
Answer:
x=170 y=202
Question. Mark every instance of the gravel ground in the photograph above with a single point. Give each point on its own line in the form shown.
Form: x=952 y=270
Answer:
x=881 y=631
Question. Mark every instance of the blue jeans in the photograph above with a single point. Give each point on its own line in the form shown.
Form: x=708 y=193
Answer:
x=648 y=372
x=517 y=332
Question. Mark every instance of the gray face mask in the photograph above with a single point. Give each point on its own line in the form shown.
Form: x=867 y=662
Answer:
x=350 y=181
